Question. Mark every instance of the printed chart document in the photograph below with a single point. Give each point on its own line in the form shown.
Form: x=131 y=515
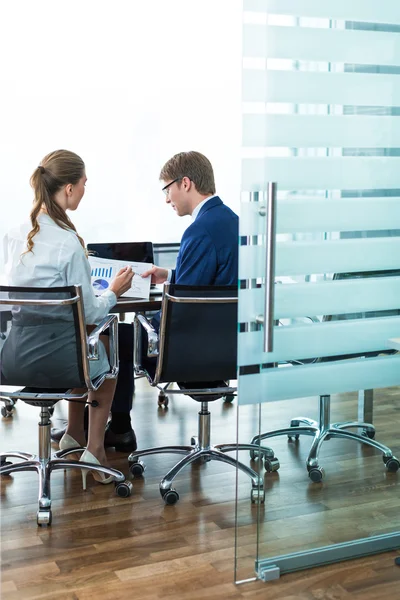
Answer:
x=103 y=271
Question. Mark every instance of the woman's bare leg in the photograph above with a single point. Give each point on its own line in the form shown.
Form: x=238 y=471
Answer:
x=98 y=416
x=75 y=418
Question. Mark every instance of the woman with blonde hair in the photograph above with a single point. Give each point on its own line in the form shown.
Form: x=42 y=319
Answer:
x=48 y=252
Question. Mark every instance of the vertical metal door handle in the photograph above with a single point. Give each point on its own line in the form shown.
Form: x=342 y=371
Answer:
x=270 y=229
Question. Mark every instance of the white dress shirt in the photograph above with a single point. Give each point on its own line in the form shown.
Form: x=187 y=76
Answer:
x=57 y=259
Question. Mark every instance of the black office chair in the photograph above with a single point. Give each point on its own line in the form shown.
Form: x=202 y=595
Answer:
x=45 y=316
x=197 y=342
x=7 y=410
x=322 y=429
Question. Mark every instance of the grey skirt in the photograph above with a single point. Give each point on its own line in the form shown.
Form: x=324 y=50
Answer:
x=46 y=356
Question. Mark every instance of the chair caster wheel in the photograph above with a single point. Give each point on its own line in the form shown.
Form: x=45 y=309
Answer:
x=316 y=474
x=193 y=441
x=163 y=400
x=392 y=464
x=271 y=464
x=5 y=463
x=7 y=412
x=295 y=435
x=254 y=454
x=229 y=398
x=137 y=468
x=369 y=433
x=44 y=517
x=170 y=497
x=257 y=495
x=123 y=489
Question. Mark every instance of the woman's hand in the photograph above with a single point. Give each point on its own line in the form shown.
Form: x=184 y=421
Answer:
x=122 y=281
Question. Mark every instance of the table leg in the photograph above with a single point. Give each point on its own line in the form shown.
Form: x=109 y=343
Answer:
x=365 y=406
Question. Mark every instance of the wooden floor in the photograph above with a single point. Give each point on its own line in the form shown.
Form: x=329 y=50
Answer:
x=101 y=547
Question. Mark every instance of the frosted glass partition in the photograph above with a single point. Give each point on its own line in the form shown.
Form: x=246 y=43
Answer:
x=309 y=173
x=321 y=120
x=320 y=130
x=330 y=297
x=357 y=10
x=303 y=341
x=321 y=87
x=312 y=215
x=329 y=256
x=340 y=45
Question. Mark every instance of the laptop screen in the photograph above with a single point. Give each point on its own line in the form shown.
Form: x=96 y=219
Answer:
x=132 y=251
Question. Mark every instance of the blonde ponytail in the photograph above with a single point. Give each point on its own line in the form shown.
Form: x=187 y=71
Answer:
x=57 y=169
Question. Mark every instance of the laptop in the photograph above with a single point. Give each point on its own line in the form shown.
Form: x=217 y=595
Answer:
x=132 y=251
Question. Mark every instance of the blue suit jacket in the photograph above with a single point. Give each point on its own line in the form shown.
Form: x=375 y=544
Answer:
x=209 y=250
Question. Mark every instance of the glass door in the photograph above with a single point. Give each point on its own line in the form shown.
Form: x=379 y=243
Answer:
x=319 y=311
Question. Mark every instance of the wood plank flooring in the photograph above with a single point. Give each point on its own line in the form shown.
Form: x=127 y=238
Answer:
x=101 y=547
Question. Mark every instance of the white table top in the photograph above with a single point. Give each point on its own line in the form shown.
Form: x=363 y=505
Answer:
x=394 y=343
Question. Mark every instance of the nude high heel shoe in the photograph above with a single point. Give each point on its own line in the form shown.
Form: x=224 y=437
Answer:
x=100 y=477
x=68 y=442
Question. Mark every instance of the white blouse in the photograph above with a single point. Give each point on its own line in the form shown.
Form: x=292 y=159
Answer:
x=57 y=259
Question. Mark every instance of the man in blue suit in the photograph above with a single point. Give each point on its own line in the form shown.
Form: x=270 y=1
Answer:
x=208 y=252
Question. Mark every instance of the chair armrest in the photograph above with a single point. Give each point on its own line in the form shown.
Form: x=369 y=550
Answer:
x=152 y=335
x=111 y=322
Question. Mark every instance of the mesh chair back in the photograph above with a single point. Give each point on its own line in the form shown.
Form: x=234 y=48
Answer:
x=43 y=346
x=198 y=340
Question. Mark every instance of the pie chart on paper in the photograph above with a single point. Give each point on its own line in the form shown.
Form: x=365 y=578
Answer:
x=100 y=285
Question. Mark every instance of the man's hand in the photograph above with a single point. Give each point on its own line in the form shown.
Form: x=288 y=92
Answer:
x=158 y=275
x=122 y=281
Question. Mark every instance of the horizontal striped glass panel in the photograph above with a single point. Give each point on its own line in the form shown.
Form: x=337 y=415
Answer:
x=301 y=131
x=330 y=256
x=323 y=298
x=305 y=87
x=316 y=44
x=387 y=11
x=319 y=379
x=321 y=173
x=316 y=340
x=313 y=215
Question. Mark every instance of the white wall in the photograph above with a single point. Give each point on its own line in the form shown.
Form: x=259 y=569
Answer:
x=126 y=84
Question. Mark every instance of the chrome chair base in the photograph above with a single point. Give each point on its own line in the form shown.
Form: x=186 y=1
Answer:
x=323 y=430
x=201 y=450
x=45 y=463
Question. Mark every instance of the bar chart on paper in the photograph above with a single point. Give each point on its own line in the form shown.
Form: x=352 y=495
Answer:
x=101 y=272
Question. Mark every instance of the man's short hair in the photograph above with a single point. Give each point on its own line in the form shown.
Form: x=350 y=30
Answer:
x=194 y=165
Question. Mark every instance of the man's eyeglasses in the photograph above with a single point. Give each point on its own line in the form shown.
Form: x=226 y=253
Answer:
x=165 y=189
